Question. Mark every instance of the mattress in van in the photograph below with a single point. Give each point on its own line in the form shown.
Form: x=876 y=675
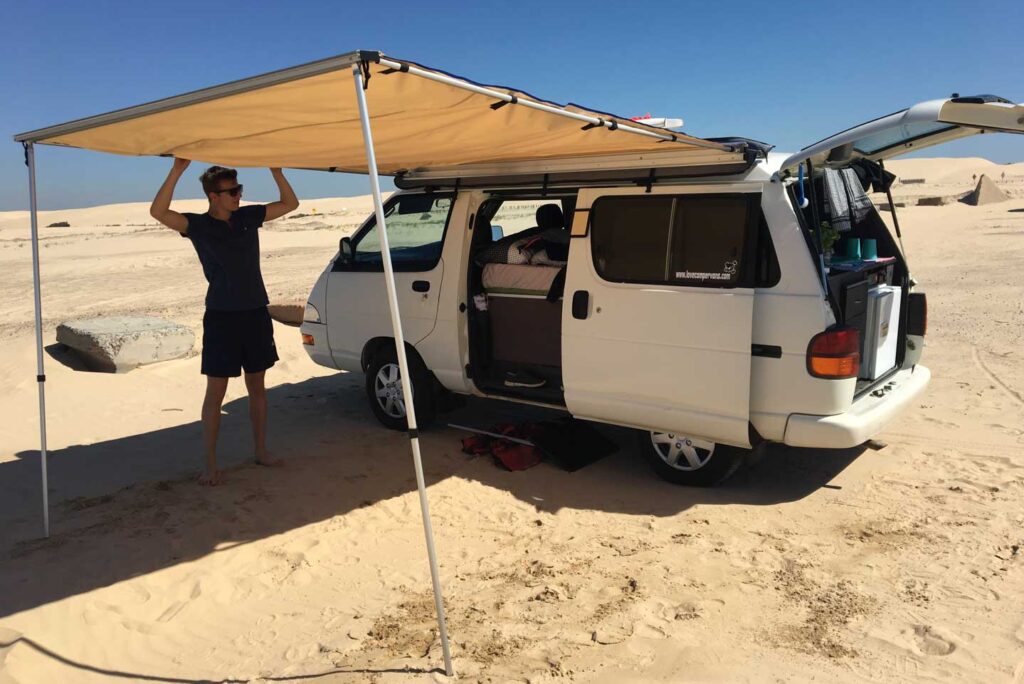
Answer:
x=522 y=279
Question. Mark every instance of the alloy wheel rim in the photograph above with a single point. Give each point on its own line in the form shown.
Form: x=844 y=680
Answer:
x=681 y=452
x=387 y=387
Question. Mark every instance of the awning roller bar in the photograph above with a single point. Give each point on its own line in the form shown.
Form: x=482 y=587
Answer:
x=217 y=92
x=558 y=111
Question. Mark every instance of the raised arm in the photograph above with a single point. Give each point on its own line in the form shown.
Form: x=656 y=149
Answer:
x=161 y=207
x=288 y=201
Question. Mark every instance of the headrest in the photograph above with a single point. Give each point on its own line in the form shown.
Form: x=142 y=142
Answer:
x=550 y=216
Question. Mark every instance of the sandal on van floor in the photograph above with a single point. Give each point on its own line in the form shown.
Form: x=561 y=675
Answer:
x=523 y=379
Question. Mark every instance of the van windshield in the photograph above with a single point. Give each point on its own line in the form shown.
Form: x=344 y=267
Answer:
x=416 y=226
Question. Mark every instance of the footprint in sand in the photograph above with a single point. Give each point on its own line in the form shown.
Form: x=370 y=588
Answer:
x=931 y=643
x=648 y=630
x=1012 y=431
x=942 y=423
x=176 y=607
x=615 y=632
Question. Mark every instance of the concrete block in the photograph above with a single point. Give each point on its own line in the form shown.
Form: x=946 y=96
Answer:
x=121 y=343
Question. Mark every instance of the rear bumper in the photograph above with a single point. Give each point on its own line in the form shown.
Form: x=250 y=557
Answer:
x=865 y=418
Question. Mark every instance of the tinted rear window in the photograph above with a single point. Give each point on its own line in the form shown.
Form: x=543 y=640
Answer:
x=693 y=240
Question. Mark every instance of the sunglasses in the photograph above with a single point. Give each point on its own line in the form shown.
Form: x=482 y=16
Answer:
x=234 y=192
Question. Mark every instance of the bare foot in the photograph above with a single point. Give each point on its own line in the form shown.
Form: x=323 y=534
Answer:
x=211 y=478
x=269 y=461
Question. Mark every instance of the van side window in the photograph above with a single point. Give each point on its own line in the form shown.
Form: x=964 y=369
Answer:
x=766 y=263
x=416 y=227
x=690 y=240
x=515 y=216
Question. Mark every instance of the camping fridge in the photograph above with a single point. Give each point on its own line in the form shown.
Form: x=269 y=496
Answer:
x=881 y=331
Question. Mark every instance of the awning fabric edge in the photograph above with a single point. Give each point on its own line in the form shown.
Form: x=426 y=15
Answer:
x=423 y=118
x=319 y=66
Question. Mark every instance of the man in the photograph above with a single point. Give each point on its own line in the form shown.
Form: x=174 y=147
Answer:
x=237 y=331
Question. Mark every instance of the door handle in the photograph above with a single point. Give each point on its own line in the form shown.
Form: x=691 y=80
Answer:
x=580 y=304
x=421 y=286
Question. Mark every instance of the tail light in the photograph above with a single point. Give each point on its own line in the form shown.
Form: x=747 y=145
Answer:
x=834 y=354
x=917 y=314
x=308 y=339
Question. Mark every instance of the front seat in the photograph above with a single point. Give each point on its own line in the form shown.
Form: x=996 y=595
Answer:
x=550 y=216
x=553 y=233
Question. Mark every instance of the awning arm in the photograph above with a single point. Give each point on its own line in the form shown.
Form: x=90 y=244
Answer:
x=595 y=121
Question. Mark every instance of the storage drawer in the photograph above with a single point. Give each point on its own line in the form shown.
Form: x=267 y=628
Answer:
x=526 y=330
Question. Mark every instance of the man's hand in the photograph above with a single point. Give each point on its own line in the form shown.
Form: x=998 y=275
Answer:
x=288 y=201
x=161 y=207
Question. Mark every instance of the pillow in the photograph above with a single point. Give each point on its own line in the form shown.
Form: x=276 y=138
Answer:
x=545 y=258
x=554 y=248
x=509 y=250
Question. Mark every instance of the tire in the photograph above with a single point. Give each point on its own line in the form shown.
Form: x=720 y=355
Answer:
x=697 y=462
x=384 y=390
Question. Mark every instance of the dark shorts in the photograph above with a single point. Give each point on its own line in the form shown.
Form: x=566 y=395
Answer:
x=237 y=340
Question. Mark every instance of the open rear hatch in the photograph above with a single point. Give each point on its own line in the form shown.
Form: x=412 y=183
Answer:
x=923 y=125
x=871 y=292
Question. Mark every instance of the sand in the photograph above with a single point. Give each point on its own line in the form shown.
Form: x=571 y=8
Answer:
x=895 y=563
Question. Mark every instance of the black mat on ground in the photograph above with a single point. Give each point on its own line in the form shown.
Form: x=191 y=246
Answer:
x=573 y=444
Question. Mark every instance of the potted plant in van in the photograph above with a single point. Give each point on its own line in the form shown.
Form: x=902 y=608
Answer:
x=829 y=237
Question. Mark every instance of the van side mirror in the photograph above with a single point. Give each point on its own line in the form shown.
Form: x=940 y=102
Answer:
x=346 y=252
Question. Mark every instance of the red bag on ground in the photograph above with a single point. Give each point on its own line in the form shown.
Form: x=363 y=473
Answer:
x=515 y=456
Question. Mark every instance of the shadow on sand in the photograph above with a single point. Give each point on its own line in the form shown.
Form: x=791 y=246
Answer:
x=134 y=501
x=7 y=643
x=66 y=356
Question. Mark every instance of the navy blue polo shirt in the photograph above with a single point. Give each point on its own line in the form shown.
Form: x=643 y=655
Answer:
x=230 y=254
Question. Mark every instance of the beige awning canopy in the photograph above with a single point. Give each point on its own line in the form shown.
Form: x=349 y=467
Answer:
x=307 y=117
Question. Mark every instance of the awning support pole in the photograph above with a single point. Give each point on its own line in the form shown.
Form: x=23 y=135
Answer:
x=403 y=363
x=30 y=161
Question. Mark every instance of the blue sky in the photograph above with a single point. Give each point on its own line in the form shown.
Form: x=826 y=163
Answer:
x=788 y=74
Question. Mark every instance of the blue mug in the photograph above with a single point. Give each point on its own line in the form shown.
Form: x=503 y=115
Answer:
x=870 y=248
x=853 y=248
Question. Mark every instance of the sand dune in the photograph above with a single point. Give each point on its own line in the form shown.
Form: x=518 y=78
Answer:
x=956 y=170
x=897 y=564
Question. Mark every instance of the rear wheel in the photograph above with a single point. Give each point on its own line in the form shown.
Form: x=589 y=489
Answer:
x=689 y=461
x=385 y=392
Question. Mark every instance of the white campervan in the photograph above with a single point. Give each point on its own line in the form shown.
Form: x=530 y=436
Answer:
x=692 y=304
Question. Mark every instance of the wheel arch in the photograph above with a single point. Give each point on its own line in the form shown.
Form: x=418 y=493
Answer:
x=373 y=346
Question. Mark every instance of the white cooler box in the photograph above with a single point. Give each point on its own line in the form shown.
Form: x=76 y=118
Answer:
x=881 y=332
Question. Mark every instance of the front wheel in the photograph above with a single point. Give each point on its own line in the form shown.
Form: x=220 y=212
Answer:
x=689 y=461
x=384 y=390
